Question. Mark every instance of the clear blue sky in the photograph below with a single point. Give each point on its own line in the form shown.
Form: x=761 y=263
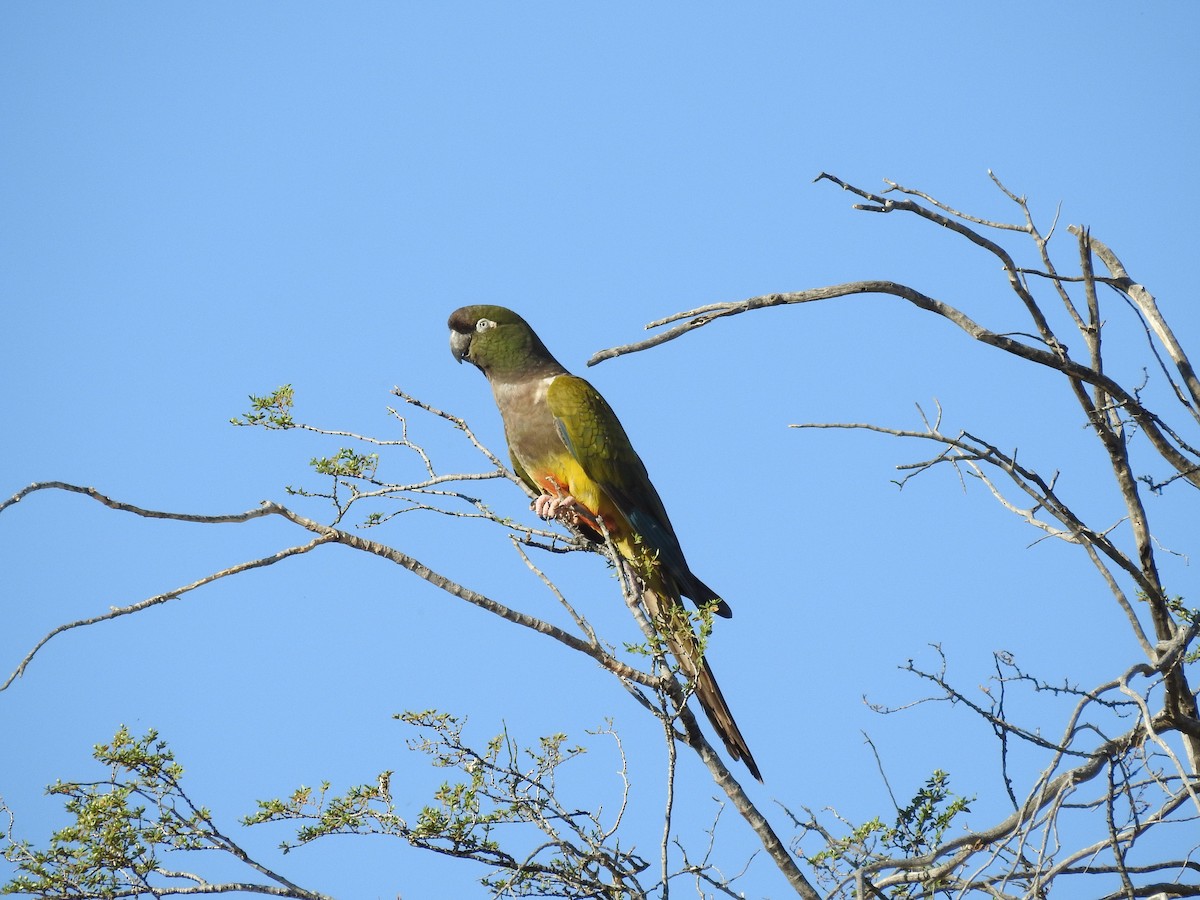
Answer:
x=202 y=201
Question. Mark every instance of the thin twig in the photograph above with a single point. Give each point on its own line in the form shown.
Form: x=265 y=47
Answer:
x=118 y=611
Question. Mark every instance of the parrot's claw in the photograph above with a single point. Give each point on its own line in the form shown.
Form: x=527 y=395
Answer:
x=548 y=506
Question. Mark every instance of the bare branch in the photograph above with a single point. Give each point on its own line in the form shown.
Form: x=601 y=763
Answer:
x=970 y=450
x=118 y=611
x=1145 y=302
x=129 y=507
x=1164 y=440
x=325 y=534
x=958 y=214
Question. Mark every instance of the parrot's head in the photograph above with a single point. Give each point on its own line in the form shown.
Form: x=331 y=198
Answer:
x=499 y=342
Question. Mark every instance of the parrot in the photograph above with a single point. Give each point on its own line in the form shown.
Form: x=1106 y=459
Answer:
x=566 y=443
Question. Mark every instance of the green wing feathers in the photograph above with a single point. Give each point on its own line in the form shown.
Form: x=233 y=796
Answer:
x=597 y=441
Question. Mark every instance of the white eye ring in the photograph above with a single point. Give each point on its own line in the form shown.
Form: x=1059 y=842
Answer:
x=484 y=324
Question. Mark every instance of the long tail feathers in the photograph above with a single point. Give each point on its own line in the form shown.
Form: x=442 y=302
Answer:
x=685 y=649
x=708 y=692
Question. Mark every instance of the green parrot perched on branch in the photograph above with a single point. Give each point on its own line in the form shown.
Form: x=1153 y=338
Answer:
x=566 y=443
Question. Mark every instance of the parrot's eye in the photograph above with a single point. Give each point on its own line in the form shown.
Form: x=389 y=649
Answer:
x=484 y=324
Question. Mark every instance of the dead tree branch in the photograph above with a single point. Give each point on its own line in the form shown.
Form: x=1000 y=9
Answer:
x=1021 y=853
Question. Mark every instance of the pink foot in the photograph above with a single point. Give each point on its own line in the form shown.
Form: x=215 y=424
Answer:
x=547 y=506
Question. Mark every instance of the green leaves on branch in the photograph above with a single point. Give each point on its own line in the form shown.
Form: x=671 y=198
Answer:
x=272 y=411
x=125 y=826
x=498 y=788
x=365 y=809
x=920 y=826
x=1188 y=615
x=677 y=619
x=347 y=464
x=121 y=826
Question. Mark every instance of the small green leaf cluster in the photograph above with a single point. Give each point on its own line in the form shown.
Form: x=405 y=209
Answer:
x=364 y=809
x=347 y=463
x=567 y=852
x=119 y=827
x=920 y=826
x=1187 y=614
x=272 y=411
x=853 y=850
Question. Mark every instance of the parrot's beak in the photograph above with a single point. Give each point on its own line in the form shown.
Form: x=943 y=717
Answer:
x=460 y=345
